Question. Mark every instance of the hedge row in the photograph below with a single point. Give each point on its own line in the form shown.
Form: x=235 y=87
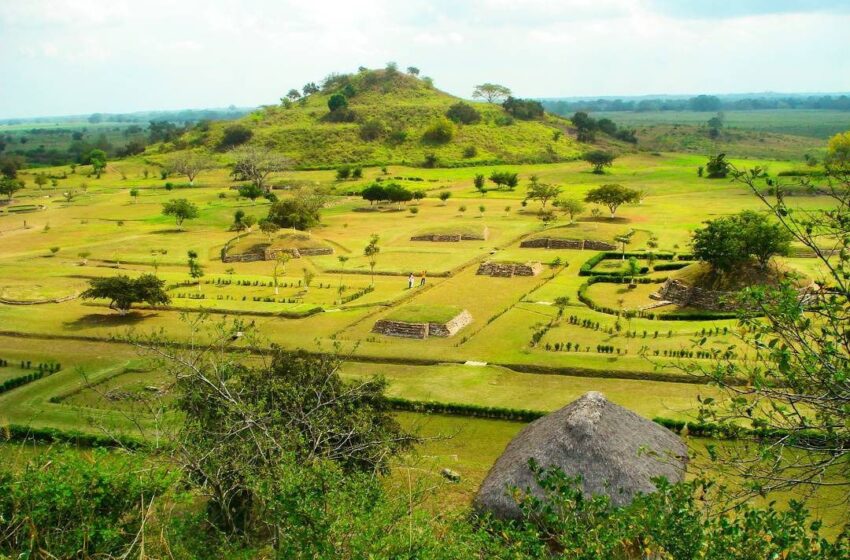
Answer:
x=475 y=411
x=589 y=264
x=15 y=382
x=670 y=266
x=728 y=431
x=17 y=432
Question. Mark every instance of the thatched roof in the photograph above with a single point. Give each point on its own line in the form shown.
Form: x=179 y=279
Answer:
x=615 y=451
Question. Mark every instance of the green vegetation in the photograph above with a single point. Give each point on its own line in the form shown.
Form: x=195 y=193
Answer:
x=424 y=313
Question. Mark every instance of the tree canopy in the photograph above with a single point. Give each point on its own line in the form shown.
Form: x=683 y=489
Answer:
x=180 y=209
x=599 y=159
x=726 y=243
x=123 y=291
x=300 y=211
x=491 y=93
x=612 y=196
x=255 y=164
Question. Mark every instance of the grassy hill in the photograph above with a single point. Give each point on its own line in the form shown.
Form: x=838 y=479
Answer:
x=399 y=109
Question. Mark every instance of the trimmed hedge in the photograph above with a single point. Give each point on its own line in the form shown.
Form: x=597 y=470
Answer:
x=472 y=410
x=17 y=432
x=678 y=265
x=587 y=268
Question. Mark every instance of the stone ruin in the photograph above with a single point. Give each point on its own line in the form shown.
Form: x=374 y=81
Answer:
x=452 y=237
x=559 y=243
x=508 y=270
x=269 y=253
x=678 y=292
x=423 y=330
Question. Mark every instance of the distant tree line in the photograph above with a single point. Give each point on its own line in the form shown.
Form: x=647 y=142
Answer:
x=707 y=103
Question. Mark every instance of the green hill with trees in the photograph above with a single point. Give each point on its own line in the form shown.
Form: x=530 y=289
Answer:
x=381 y=117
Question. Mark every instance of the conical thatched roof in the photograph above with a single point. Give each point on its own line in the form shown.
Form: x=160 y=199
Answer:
x=615 y=451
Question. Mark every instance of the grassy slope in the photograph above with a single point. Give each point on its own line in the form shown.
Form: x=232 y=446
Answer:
x=400 y=102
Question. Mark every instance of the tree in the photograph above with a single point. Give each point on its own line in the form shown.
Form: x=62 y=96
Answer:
x=250 y=191
x=238 y=223
x=134 y=193
x=337 y=102
x=40 y=180
x=196 y=271
x=255 y=164
x=612 y=196
x=280 y=260
x=123 y=291
x=705 y=103
x=97 y=159
x=234 y=135
x=191 y=163
x=371 y=253
x=838 y=151
x=478 y=181
x=310 y=88
x=445 y=196
x=717 y=167
x=491 y=93
x=542 y=191
x=599 y=159
x=413 y=70
x=398 y=194
x=525 y=109
x=505 y=178
x=181 y=209
x=585 y=126
x=9 y=186
x=374 y=193
x=439 y=131
x=570 y=206
x=342 y=260
x=300 y=211
x=269 y=229
x=797 y=362
x=463 y=113
x=293 y=95
x=728 y=242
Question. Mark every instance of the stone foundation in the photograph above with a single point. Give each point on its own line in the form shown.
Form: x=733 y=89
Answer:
x=451 y=237
x=508 y=270
x=558 y=243
x=423 y=330
x=680 y=293
x=269 y=254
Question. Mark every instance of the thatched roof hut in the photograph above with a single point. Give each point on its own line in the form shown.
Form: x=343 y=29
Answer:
x=615 y=451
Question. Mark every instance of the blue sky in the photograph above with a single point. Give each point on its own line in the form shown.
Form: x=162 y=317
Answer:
x=82 y=56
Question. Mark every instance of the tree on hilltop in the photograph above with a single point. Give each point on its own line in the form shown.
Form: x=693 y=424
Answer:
x=728 y=242
x=492 y=93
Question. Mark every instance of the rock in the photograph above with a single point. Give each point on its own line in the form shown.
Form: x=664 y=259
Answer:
x=450 y=475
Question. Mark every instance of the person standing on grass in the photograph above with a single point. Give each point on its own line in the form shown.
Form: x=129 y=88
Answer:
x=422 y=280
x=410 y=281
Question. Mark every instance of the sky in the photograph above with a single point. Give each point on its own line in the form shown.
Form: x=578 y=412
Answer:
x=60 y=57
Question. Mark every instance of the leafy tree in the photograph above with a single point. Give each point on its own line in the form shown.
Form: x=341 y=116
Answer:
x=97 y=159
x=478 y=181
x=607 y=126
x=134 y=193
x=599 y=159
x=40 y=180
x=181 y=209
x=343 y=172
x=281 y=258
x=463 y=113
x=310 y=88
x=413 y=70
x=613 y=196
x=269 y=228
x=123 y=291
x=838 y=151
x=250 y=191
x=585 y=125
x=9 y=166
x=255 y=164
x=238 y=223
x=337 y=101
x=293 y=95
x=445 y=196
x=374 y=193
x=398 y=194
x=439 y=131
x=525 y=109
x=191 y=164
x=234 y=135
x=570 y=206
x=196 y=271
x=542 y=191
x=300 y=211
x=371 y=253
x=492 y=93
x=717 y=167
x=505 y=179
x=9 y=186
x=726 y=243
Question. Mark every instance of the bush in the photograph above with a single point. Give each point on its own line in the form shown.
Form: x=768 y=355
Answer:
x=439 y=132
x=470 y=152
x=372 y=129
x=463 y=113
x=234 y=135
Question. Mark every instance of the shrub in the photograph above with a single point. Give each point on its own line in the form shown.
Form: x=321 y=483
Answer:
x=463 y=113
x=470 y=152
x=440 y=131
x=372 y=129
x=234 y=135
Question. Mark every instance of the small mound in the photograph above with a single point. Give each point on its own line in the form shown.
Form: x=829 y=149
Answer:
x=703 y=276
x=452 y=233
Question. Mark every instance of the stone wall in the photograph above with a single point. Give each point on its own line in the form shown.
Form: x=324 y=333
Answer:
x=452 y=237
x=508 y=270
x=270 y=253
x=423 y=330
x=558 y=243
